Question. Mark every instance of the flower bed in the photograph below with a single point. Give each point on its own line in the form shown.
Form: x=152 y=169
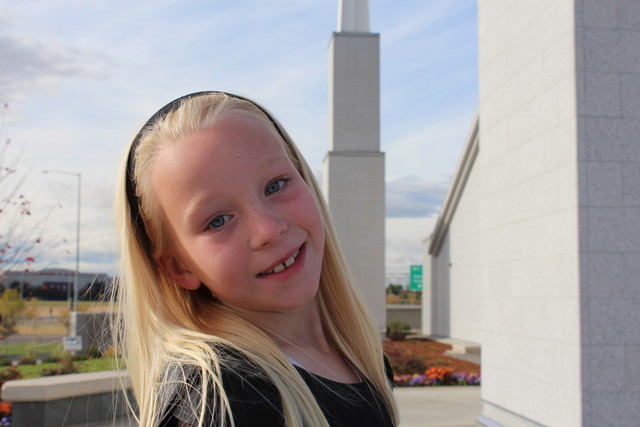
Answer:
x=435 y=377
x=5 y=413
x=421 y=363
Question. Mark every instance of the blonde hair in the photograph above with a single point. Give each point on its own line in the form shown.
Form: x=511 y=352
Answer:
x=163 y=325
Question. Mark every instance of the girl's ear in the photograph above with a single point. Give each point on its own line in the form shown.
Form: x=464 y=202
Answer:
x=173 y=268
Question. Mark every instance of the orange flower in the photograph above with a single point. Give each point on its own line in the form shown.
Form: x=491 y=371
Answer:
x=439 y=372
x=5 y=408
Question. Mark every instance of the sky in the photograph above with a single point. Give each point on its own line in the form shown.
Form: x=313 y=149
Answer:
x=79 y=77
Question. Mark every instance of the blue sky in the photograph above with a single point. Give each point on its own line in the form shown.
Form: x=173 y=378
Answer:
x=81 y=76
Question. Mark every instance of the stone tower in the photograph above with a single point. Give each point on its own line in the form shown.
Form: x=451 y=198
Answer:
x=354 y=165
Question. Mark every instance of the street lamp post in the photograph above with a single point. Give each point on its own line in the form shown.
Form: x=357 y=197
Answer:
x=74 y=303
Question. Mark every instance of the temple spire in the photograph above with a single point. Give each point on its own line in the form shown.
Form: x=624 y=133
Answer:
x=354 y=166
x=353 y=16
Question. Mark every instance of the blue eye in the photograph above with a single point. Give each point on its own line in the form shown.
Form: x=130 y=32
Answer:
x=274 y=187
x=219 y=221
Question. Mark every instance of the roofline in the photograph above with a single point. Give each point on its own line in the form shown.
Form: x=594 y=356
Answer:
x=456 y=188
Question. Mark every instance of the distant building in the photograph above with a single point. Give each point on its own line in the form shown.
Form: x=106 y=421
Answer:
x=53 y=284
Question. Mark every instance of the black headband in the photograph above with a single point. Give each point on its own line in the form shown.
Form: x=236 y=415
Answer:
x=132 y=195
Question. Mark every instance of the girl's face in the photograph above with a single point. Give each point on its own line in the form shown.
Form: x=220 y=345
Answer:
x=241 y=219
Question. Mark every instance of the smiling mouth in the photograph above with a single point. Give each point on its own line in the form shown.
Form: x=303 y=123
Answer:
x=281 y=267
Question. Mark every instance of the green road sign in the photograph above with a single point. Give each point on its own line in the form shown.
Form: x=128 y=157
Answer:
x=415 y=283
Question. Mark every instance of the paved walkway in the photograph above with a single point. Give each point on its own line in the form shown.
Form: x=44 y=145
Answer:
x=438 y=406
x=421 y=407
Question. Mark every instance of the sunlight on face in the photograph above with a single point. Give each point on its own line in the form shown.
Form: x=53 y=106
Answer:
x=242 y=220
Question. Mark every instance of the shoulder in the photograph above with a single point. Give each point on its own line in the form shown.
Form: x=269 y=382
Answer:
x=253 y=399
x=348 y=404
x=388 y=369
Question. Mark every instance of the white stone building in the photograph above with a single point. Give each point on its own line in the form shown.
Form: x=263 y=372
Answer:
x=354 y=166
x=536 y=254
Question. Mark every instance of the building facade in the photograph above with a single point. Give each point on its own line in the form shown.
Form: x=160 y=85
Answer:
x=544 y=234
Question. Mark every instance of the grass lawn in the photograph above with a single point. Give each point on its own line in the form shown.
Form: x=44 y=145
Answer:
x=55 y=349
x=98 y=365
x=91 y=365
x=31 y=348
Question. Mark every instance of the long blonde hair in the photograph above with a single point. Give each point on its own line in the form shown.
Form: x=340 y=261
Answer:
x=163 y=325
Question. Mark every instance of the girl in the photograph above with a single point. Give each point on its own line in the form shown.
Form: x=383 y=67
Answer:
x=237 y=307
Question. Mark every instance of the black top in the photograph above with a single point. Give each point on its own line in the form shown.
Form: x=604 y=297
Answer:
x=255 y=401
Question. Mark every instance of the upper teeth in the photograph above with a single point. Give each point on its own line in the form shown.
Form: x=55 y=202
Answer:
x=280 y=267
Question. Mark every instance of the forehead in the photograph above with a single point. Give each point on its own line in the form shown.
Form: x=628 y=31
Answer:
x=232 y=133
x=238 y=143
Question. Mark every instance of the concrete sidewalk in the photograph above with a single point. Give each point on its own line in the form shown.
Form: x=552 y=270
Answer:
x=438 y=406
x=420 y=407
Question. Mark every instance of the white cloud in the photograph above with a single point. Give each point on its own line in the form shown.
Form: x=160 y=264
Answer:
x=411 y=197
x=430 y=150
x=28 y=65
x=405 y=239
x=86 y=74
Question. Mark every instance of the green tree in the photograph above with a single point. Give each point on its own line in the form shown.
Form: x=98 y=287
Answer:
x=394 y=288
x=11 y=304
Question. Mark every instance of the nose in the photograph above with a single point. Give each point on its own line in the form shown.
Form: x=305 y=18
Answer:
x=266 y=226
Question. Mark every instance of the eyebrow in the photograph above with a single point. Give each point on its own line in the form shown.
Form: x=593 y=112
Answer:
x=195 y=213
x=203 y=202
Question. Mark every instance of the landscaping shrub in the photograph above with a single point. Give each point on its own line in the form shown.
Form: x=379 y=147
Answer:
x=51 y=359
x=27 y=361
x=11 y=373
x=78 y=357
x=66 y=367
x=109 y=352
x=8 y=374
x=28 y=358
x=92 y=352
x=397 y=330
